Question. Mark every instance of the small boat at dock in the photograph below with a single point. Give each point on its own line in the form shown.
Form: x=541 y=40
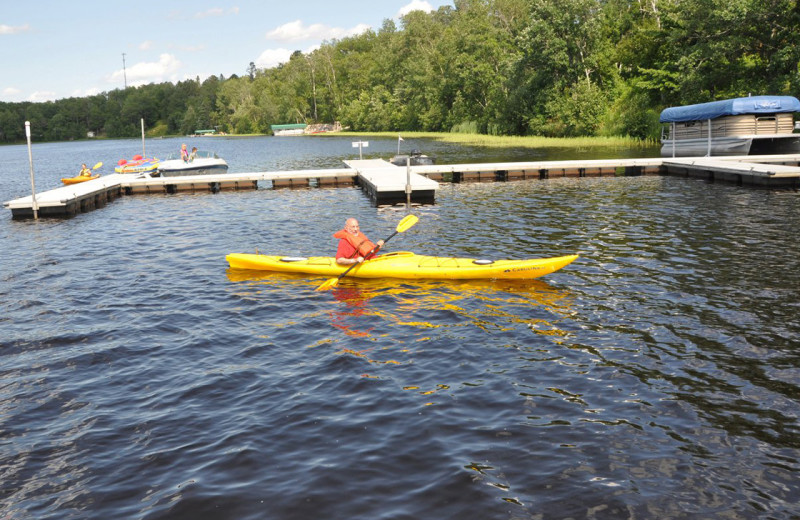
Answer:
x=203 y=163
x=417 y=159
x=755 y=125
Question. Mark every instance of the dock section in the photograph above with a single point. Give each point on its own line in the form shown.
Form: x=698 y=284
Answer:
x=70 y=200
x=512 y=171
x=781 y=172
x=385 y=183
x=240 y=181
x=67 y=201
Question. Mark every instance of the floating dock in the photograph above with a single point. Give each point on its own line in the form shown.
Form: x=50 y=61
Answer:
x=770 y=171
x=386 y=183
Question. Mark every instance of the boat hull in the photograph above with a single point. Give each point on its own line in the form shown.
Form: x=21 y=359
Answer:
x=416 y=160
x=178 y=168
x=405 y=265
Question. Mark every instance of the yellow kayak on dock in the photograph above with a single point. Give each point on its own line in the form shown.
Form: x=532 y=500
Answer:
x=404 y=264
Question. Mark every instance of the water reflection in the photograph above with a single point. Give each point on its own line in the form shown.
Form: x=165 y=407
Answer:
x=397 y=323
x=490 y=305
x=500 y=300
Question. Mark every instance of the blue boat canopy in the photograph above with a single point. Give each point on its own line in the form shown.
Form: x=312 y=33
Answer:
x=731 y=107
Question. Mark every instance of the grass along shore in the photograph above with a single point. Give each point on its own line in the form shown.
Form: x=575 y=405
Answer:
x=499 y=141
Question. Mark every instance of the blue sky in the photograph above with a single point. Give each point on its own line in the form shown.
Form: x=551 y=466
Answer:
x=57 y=49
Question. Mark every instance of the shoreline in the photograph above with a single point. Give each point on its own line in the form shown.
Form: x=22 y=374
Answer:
x=491 y=141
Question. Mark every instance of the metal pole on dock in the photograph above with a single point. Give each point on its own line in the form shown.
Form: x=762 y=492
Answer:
x=408 y=181
x=143 y=154
x=30 y=160
x=673 y=138
x=360 y=144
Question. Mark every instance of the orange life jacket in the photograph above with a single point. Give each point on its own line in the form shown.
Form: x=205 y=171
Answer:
x=360 y=241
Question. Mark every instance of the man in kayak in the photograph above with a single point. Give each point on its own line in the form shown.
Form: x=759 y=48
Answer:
x=354 y=246
x=85 y=171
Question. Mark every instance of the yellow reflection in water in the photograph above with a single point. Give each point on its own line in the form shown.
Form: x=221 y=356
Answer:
x=490 y=305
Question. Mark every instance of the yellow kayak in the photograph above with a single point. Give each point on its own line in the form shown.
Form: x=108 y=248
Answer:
x=79 y=178
x=403 y=264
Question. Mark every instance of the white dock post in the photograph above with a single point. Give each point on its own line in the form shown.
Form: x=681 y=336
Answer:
x=408 y=182
x=359 y=144
x=35 y=207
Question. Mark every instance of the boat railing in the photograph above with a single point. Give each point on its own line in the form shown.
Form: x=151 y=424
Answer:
x=769 y=124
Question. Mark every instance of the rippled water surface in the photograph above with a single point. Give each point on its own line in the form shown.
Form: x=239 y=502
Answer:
x=655 y=377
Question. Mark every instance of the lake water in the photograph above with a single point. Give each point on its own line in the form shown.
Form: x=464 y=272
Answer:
x=658 y=376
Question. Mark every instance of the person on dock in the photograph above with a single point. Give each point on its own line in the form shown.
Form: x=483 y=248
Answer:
x=85 y=171
x=184 y=153
x=354 y=246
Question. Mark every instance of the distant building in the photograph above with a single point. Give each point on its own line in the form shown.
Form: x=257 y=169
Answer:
x=291 y=129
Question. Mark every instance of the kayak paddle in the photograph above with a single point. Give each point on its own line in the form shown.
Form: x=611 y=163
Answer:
x=403 y=225
x=96 y=166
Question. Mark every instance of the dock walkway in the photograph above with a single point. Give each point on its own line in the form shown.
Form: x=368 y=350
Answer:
x=771 y=171
x=385 y=183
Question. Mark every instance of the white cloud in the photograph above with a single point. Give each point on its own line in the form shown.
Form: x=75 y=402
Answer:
x=211 y=12
x=296 y=32
x=148 y=72
x=192 y=48
x=85 y=93
x=272 y=58
x=8 y=29
x=11 y=92
x=39 y=96
x=216 y=12
x=415 y=5
x=146 y=45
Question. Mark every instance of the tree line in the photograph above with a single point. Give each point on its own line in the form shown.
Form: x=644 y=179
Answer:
x=554 y=68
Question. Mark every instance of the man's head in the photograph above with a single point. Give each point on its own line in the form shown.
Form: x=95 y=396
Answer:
x=351 y=226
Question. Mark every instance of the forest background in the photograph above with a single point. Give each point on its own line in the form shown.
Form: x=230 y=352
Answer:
x=554 y=68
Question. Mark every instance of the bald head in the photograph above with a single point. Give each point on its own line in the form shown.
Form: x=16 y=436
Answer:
x=351 y=226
